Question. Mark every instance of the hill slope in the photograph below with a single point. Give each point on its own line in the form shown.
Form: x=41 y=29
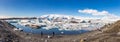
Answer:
x=110 y=33
x=114 y=28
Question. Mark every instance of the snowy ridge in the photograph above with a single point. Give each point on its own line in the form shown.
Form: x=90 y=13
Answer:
x=110 y=17
x=107 y=17
x=60 y=16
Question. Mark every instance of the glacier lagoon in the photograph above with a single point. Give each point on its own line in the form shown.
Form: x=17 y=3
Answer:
x=50 y=31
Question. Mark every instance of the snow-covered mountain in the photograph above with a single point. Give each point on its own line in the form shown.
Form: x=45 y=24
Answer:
x=59 y=16
x=107 y=17
x=111 y=18
x=65 y=16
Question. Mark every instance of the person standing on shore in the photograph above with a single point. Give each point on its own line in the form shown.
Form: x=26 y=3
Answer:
x=41 y=33
x=53 y=34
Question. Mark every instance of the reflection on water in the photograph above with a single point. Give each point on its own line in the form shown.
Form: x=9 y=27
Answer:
x=49 y=32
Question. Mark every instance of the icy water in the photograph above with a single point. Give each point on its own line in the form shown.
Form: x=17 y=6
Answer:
x=48 y=32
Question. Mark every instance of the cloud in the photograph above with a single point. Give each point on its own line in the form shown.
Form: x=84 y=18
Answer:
x=93 y=12
x=105 y=14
